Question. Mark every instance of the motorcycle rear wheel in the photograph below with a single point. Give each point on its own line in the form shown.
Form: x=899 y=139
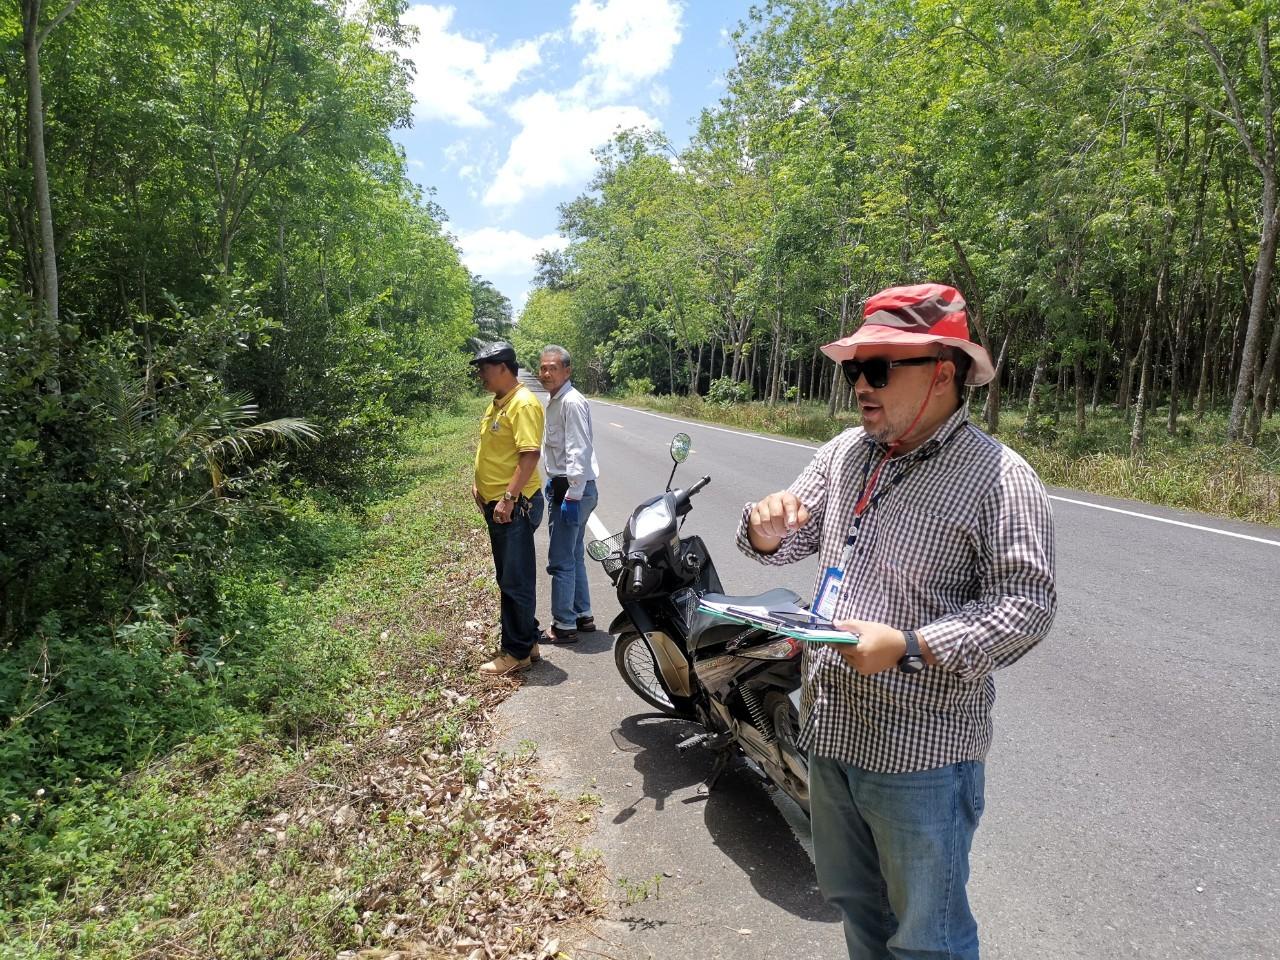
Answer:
x=634 y=660
x=786 y=727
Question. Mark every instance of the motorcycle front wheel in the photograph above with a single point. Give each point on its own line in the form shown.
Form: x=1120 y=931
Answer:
x=634 y=660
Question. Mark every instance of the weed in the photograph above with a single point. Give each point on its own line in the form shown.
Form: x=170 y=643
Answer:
x=634 y=891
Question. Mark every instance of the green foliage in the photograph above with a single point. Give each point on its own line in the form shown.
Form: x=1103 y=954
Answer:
x=637 y=387
x=1091 y=176
x=726 y=391
x=256 y=304
x=550 y=317
x=265 y=813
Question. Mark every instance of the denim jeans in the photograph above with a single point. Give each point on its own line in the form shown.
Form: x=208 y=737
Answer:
x=570 y=595
x=517 y=568
x=892 y=852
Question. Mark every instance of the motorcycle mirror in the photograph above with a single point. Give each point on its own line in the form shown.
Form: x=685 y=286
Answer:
x=680 y=447
x=597 y=549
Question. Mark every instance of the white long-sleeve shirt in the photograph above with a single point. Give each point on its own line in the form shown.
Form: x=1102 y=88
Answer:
x=567 y=447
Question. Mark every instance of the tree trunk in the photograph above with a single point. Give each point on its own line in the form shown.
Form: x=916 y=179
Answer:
x=1077 y=371
x=1204 y=376
x=1137 y=435
x=32 y=38
x=1127 y=363
x=1059 y=391
x=1264 y=384
x=836 y=378
x=1265 y=161
x=1099 y=374
x=1033 y=397
x=991 y=409
x=775 y=365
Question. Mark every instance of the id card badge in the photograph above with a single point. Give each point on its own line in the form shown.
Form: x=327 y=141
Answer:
x=828 y=592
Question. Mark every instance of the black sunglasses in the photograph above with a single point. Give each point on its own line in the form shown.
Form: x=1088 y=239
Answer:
x=876 y=369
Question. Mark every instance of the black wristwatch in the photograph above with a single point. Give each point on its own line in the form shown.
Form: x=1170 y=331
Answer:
x=913 y=660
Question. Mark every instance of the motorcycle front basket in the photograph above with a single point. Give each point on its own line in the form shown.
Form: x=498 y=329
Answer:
x=613 y=562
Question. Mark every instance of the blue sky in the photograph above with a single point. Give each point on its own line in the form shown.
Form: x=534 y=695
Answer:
x=511 y=98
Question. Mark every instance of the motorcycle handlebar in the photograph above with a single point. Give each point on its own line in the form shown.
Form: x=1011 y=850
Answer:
x=684 y=496
x=637 y=577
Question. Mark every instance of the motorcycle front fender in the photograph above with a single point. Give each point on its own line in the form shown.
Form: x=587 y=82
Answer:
x=674 y=666
x=620 y=623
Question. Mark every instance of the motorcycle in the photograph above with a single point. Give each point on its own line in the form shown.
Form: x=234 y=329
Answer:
x=740 y=683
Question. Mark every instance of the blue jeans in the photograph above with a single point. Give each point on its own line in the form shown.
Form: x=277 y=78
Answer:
x=892 y=852
x=570 y=596
x=516 y=566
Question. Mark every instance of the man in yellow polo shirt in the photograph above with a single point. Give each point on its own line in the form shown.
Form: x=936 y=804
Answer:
x=508 y=490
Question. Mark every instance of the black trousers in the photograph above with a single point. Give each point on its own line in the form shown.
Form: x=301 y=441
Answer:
x=516 y=567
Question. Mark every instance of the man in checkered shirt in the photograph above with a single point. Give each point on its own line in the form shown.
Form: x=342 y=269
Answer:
x=936 y=548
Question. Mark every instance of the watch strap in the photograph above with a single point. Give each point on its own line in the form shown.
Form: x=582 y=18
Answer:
x=913 y=660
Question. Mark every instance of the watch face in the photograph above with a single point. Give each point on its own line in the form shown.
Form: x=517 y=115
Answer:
x=911 y=664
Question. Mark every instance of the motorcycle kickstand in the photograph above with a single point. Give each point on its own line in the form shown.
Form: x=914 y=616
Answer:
x=724 y=757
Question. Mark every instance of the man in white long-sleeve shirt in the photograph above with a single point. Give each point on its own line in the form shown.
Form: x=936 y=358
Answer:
x=569 y=462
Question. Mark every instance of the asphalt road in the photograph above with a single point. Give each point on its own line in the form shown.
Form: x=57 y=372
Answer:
x=1133 y=788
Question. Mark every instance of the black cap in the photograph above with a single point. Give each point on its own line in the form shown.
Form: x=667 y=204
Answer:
x=497 y=352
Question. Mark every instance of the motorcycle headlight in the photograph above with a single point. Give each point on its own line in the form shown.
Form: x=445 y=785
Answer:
x=653 y=519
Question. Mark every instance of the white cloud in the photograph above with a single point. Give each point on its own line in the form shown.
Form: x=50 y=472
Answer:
x=492 y=251
x=634 y=40
x=456 y=77
x=553 y=147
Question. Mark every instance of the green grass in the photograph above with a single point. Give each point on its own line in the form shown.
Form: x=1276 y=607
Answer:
x=1195 y=469
x=362 y=807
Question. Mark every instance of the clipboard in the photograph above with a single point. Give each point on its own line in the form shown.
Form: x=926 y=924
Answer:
x=790 y=621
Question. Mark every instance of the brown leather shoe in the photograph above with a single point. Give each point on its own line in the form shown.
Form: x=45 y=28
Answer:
x=586 y=625
x=503 y=664
x=556 y=635
x=536 y=653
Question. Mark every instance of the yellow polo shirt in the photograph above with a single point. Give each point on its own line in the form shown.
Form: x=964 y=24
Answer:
x=512 y=425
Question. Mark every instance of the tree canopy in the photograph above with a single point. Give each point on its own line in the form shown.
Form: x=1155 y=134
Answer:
x=1098 y=179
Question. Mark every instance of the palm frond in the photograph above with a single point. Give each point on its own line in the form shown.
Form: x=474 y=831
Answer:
x=245 y=440
x=206 y=426
x=127 y=407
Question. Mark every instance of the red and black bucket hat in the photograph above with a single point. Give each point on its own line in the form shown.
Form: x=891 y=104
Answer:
x=920 y=314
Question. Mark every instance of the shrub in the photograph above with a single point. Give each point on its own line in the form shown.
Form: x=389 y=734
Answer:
x=637 y=387
x=726 y=391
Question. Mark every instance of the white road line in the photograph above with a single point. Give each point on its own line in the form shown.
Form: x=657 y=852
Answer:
x=706 y=426
x=597 y=528
x=1078 y=503
x=1176 y=523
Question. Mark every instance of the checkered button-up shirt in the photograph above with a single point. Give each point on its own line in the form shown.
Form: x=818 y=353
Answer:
x=959 y=549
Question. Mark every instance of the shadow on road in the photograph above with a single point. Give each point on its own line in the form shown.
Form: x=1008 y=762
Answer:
x=738 y=814
x=544 y=673
x=595 y=642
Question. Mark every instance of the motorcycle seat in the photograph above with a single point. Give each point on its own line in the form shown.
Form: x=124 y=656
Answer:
x=708 y=631
x=777 y=597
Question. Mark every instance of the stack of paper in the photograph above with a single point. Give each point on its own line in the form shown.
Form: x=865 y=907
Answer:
x=789 y=621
